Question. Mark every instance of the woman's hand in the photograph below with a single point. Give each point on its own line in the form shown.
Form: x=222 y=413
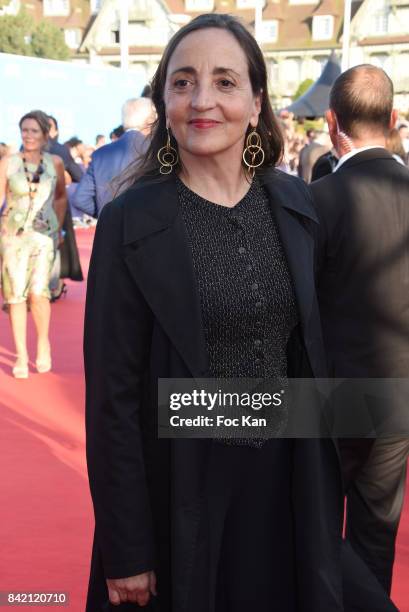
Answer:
x=136 y=589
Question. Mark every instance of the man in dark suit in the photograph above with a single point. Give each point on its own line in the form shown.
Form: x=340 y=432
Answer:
x=67 y=262
x=56 y=148
x=318 y=145
x=94 y=190
x=363 y=291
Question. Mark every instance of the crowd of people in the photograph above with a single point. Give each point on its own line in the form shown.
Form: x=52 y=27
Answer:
x=232 y=242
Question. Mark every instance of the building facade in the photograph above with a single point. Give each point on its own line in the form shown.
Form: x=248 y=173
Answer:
x=297 y=36
x=74 y=17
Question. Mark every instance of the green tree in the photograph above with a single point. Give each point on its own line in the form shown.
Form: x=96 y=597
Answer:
x=4 y=3
x=48 y=41
x=21 y=36
x=15 y=34
x=302 y=88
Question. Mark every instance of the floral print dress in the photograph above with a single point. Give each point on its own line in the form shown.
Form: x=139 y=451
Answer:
x=27 y=256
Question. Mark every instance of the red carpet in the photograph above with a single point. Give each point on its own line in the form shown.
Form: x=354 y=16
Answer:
x=46 y=518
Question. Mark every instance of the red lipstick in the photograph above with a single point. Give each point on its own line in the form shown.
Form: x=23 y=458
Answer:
x=203 y=123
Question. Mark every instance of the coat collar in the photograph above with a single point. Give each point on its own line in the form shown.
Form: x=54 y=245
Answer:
x=365 y=156
x=154 y=203
x=158 y=256
x=284 y=191
x=150 y=207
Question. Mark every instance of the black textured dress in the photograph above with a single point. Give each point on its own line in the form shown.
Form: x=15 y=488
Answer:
x=248 y=313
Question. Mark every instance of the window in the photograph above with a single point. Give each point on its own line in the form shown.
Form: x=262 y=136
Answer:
x=273 y=72
x=269 y=30
x=199 y=5
x=12 y=8
x=115 y=37
x=381 y=21
x=292 y=72
x=96 y=6
x=382 y=60
x=318 y=64
x=56 y=8
x=72 y=38
x=322 y=27
x=402 y=61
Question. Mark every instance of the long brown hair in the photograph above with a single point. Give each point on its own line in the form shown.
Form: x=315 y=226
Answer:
x=40 y=117
x=268 y=129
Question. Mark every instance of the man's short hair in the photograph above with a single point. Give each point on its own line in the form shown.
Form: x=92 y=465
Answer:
x=54 y=120
x=136 y=112
x=74 y=141
x=362 y=100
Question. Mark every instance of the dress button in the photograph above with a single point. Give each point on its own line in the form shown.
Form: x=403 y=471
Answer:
x=259 y=304
x=237 y=217
x=254 y=286
x=257 y=361
x=249 y=268
x=242 y=250
x=258 y=323
x=257 y=342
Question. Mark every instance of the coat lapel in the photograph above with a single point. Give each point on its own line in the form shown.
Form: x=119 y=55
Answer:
x=159 y=259
x=286 y=198
x=158 y=256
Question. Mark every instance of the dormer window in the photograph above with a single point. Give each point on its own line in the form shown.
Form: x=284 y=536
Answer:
x=56 y=8
x=96 y=6
x=269 y=30
x=381 y=21
x=322 y=27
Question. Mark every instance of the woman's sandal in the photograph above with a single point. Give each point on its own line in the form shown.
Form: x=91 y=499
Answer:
x=59 y=293
x=20 y=370
x=43 y=365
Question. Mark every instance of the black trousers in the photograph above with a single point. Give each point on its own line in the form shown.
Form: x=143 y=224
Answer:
x=375 y=478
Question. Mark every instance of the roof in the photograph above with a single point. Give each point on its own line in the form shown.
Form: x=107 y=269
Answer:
x=78 y=18
x=328 y=7
x=315 y=101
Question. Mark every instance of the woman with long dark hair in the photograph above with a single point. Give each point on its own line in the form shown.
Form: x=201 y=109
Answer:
x=203 y=267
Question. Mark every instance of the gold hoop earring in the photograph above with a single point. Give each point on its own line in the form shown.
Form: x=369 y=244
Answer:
x=252 y=151
x=167 y=156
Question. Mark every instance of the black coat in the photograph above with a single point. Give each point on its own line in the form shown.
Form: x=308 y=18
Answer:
x=363 y=266
x=70 y=259
x=143 y=321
